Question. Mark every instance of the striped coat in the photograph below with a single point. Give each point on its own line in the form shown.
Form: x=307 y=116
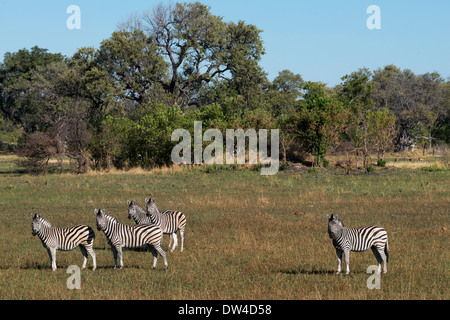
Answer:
x=64 y=239
x=137 y=213
x=346 y=240
x=169 y=221
x=125 y=236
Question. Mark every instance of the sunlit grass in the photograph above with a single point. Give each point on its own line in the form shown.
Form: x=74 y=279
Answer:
x=247 y=236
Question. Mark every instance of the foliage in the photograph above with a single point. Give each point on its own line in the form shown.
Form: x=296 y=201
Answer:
x=165 y=68
x=319 y=120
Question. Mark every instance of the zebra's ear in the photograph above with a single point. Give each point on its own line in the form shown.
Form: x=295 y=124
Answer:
x=146 y=200
x=328 y=217
x=102 y=211
x=336 y=217
x=32 y=215
x=128 y=202
x=96 y=211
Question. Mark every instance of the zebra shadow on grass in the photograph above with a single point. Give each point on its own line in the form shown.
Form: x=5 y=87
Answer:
x=311 y=271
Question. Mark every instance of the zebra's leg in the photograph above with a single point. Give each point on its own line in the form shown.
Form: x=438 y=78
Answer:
x=85 y=255
x=339 y=259
x=347 y=261
x=119 y=253
x=383 y=257
x=376 y=253
x=92 y=253
x=170 y=240
x=52 y=254
x=114 y=250
x=182 y=239
x=163 y=254
x=175 y=241
x=155 y=256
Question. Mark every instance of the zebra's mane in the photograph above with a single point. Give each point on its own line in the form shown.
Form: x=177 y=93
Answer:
x=153 y=205
x=45 y=222
x=139 y=209
x=112 y=219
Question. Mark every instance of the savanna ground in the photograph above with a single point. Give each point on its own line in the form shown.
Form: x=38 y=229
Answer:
x=248 y=236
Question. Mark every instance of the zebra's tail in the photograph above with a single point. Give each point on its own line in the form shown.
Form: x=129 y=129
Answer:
x=386 y=250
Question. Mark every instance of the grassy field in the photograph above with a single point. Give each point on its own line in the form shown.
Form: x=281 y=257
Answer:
x=247 y=237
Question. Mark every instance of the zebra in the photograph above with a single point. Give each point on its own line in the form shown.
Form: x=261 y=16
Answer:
x=122 y=235
x=64 y=239
x=169 y=221
x=358 y=240
x=139 y=215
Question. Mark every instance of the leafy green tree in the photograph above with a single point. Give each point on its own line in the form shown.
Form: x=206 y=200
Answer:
x=356 y=92
x=319 y=120
x=133 y=65
x=26 y=79
x=200 y=47
x=146 y=141
x=283 y=93
x=382 y=131
x=416 y=101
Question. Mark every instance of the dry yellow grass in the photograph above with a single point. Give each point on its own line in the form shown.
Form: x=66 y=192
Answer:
x=243 y=238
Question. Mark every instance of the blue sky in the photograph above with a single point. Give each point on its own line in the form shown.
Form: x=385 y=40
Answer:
x=322 y=40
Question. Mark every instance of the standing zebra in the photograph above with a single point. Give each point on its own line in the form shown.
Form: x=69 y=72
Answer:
x=169 y=221
x=139 y=215
x=64 y=239
x=358 y=240
x=122 y=235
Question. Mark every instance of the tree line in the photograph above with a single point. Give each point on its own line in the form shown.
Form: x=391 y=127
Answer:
x=118 y=105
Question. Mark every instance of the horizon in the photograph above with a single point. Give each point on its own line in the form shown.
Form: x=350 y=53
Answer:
x=320 y=41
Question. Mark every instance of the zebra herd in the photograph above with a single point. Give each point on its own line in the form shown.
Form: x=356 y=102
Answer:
x=150 y=226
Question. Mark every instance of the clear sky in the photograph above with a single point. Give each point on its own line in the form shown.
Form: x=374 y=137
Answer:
x=322 y=40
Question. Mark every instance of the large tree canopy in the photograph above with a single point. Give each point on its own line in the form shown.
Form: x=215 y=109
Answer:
x=200 y=47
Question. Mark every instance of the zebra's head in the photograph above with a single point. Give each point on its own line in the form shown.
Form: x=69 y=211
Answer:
x=151 y=208
x=132 y=209
x=101 y=219
x=37 y=222
x=334 y=225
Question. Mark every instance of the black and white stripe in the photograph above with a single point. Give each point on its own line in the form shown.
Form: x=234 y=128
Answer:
x=125 y=236
x=137 y=213
x=358 y=240
x=64 y=239
x=169 y=221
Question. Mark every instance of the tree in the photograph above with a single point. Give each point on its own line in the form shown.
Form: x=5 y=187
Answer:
x=356 y=92
x=200 y=47
x=319 y=120
x=37 y=148
x=284 y=92
x=26 y=78
x=382 y=131
x=133 y=66
x=415 y=101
